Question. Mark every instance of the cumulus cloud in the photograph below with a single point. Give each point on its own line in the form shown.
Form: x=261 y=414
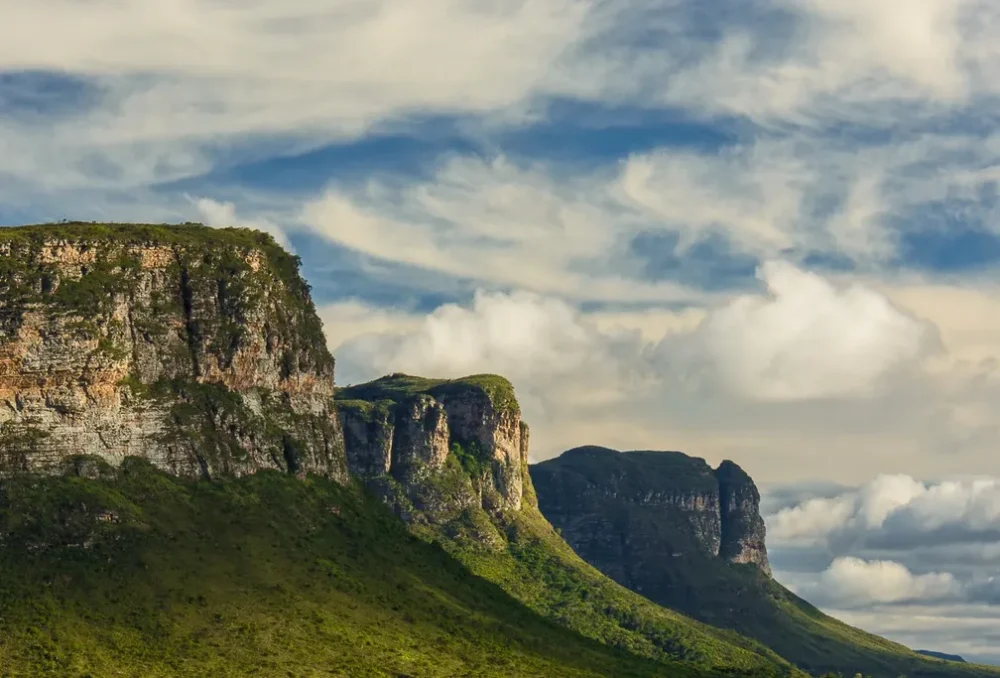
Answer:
x=808 y=339
x=828 y=375
x=519 y=334
x=853 y=582
x=893 y=510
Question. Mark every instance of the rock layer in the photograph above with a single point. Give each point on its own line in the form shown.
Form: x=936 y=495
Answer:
x=435 y=448
x=642 y=517
x=198 y=349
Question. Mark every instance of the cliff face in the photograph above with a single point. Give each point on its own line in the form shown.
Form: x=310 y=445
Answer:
x=197 y=349
x=742 y=534
x=652 y=521
x=434 y=449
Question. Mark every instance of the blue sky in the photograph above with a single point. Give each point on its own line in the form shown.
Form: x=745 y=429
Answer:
x=760 y=230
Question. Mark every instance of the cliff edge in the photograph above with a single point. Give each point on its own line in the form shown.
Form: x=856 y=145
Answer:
x=198 y=349
x=628 y=512
x=691 y=538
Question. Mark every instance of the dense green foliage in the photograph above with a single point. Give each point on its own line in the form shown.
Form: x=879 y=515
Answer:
x=135 y=573
x=398 y=387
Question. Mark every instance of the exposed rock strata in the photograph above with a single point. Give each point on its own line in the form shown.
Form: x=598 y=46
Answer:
x=195 y=348
x=638 y=516
x=434 y=449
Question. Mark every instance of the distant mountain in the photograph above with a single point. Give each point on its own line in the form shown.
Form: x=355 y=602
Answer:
x=942 y=655
x=691 y=538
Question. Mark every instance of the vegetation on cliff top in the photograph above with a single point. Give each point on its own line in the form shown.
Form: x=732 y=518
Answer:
x=208 y=263
x=394 y=388
x=135 y=573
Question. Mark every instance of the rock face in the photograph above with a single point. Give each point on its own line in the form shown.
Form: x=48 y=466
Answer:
x=198 y=349
x=653 y=521
x=742 y=534
x=435 y=448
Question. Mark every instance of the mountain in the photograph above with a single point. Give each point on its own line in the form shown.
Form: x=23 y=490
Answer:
x=941 y=655
x=184 y=492
x=195 y=348
x=450 y=457
x=175 y=497
x=691 y=538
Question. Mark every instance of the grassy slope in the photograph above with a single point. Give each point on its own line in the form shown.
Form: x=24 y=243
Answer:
x=724 y=595
x=263 y=576
x=538 y=568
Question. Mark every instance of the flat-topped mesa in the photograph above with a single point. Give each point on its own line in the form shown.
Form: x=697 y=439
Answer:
x=637 y=515
x=196 y=348
x=434 y=448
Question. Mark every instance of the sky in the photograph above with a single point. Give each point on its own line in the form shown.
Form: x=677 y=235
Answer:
x=763 y=230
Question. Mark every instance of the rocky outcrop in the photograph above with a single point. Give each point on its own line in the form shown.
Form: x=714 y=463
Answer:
x=647 y=518
x=434 y=449
x=742 y=527
x=195 y=348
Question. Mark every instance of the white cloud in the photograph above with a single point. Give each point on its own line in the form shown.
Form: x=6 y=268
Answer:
x=828 y=375
x=497 y=223
x=892 y=508
x=808 y=339
x=223 y=214
x=179 y=81
x=919 y=41
x=753 y=195
x=517 y=335
x=855 y=582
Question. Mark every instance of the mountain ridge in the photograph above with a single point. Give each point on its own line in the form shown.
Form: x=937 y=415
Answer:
x=188 y=364
x=623 y=513
x=196 y=348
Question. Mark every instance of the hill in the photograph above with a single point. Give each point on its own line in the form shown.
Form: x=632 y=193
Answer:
x=197 y=353
x=450 y=458
x=184 y=492
x=691 y=538
x=134 y=572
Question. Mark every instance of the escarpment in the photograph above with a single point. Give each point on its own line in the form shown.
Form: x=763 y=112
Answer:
x=434 y=449
x=634 y=515
x=198 y=349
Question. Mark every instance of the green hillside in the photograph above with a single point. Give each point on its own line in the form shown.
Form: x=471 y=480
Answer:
x=518 y=549
x=137 y=573
x=643 y=518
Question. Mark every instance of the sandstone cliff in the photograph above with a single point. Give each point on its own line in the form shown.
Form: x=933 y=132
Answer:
x=691 y=538
x=638 y=516
x=195 y=348
x=434 y=449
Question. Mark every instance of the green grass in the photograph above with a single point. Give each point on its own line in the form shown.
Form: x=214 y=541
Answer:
x=539 y=569
x=142 y=574
x=399 y=387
